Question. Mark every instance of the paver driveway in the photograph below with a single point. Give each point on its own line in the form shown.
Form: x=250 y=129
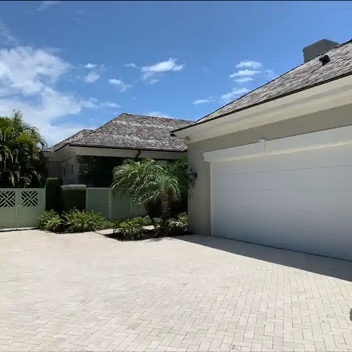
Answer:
x=87 y=292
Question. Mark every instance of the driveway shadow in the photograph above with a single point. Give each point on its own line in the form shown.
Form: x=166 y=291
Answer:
x=341 y=269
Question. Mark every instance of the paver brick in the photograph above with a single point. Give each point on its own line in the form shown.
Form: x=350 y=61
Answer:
x=86 y=292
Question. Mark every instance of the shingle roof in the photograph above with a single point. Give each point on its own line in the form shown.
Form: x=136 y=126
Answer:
x=128 y=131
x=75 y=137
x=302 y=77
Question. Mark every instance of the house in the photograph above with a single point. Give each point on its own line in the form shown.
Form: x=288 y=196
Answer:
x=275 y=166
x=126 y=136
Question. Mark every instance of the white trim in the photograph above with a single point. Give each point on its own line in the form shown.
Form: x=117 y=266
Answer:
x=316 y=140
x=211 y=201
x=71 y=151
x=325 y=96
x=126 y=153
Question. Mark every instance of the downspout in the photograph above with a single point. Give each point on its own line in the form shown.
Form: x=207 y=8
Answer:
x=138 y=154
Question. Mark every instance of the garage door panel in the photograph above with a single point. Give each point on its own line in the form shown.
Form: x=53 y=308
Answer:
x=321 y=202
x=303 y=179
x=307 y=209
x=288 y=232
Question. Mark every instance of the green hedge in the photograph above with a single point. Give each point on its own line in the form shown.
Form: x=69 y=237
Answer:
x=53 y=194
x=73 y=198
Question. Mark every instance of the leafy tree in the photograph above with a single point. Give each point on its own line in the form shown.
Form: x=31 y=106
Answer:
x=97 y=170
x=21 y=160
x=149 y=183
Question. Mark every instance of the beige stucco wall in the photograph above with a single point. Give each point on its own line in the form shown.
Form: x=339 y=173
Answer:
x=55 y=169
x=199 y=202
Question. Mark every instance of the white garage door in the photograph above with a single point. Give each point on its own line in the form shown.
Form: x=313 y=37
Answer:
x=298 y=200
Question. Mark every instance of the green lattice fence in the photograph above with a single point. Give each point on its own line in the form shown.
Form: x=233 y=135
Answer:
x=21 y=207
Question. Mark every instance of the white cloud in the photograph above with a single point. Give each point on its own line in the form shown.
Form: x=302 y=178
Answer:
x=6 y=36
x=270 y=74
x=249 y=64
x=244 y=79
x=153 y=81
x=119 y=83
x=249 y=71
x=132 y=65
x=27 y=71
x=89 y=66
x=158 y=114
x=160 y=68
x=45 y=4
x=202 y=101
x=91 y=77
x=236 y=92
x=244 y=73
x=109 y=104
x=28 y=80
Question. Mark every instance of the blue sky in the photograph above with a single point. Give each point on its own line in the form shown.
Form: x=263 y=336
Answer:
x=73 y=65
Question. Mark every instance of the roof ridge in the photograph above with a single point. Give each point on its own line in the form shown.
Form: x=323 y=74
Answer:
x=130 y=114
x=158 y=117
x=263 y=85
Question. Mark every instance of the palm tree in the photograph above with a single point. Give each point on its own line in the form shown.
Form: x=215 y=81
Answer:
x=20 y=152
x=149 y=183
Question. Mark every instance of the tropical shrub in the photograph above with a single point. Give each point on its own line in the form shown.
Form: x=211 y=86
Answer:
x=73 y=221
x=147 y=221
x=21 y=160
x=83 y=221
x=173 y=227
x=152 y=185
x=97 y=171
x=51 y=221
x=130 y=230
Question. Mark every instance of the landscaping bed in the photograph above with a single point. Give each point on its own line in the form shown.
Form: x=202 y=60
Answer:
x=134 y=229
x=143 y=228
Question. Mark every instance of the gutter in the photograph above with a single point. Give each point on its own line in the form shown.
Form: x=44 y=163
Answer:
x=138 y=154
x=120 y=148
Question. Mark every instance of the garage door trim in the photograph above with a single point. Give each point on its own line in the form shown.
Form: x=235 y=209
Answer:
x=322 y=139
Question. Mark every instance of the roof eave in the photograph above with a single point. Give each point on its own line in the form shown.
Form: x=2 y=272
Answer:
x=334 y=93
x=174 y=132
x=130 y=148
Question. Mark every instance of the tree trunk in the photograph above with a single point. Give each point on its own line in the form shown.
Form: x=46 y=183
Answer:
x=165 y=206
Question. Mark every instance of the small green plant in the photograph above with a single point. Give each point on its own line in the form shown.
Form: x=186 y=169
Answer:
x=147 y=221
x=183 y=218
x=173 y=227
x=73 y=221
x=131 y=229
x=51 y=221
x=83 y=221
